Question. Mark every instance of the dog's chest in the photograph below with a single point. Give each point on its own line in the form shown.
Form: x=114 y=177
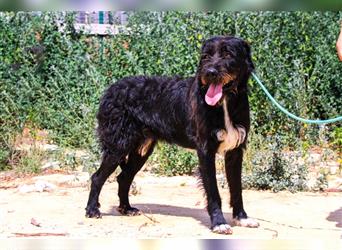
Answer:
x=232 y=136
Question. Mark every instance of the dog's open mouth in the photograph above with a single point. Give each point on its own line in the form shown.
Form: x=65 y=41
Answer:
x=214 y=94
x=215 y=91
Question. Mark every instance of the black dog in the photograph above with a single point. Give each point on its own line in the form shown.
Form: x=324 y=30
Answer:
x=208 y=112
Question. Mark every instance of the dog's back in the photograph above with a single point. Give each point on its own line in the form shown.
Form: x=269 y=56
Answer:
x=157 y=106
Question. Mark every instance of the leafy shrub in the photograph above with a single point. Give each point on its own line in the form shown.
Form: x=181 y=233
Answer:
x=53 y=79
x=29 y=161
x=171 y=160
x=337 y=137
x=321 y=183
x=4 y=157
x=268 y=166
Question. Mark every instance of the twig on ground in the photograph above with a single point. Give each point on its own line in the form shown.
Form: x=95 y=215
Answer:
x=38 y=234
x=275 y=235
x=151 y=218
x=143 y=225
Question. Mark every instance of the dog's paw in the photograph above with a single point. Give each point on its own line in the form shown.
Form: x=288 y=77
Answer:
x=132 y=211
x=222 y=229
x=93 y=213
x=249 y=222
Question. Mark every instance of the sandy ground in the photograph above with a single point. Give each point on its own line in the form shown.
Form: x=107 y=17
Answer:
x=172 y=207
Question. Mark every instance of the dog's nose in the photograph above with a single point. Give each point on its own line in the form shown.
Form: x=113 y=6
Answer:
x=211 y=72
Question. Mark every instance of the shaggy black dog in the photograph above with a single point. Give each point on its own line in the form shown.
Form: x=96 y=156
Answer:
x=208 y=112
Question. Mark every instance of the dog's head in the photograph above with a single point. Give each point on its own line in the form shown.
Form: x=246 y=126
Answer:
x=225 y=63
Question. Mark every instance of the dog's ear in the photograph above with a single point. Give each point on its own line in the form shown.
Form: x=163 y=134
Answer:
x=249 y=62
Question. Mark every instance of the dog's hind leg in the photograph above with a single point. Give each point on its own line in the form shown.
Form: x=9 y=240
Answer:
x=115 y=147
x=109 y=163
x=136 y=159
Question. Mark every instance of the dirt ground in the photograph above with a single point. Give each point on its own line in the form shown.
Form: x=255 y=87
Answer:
x=172 y=207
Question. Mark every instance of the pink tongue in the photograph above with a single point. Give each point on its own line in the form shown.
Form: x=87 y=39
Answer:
x=214 y=94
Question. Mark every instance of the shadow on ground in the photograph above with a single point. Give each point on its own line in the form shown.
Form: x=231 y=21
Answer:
x=199 y=214
x=336 y=216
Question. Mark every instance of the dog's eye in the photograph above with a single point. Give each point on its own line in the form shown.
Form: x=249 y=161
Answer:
x=226 y=54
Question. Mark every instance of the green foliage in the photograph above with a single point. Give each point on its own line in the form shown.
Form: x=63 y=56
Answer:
x=30 y=161
x=268 y=166
x=337 y=137
x=4 y=156
x=171 y=160
x=322 y=182
x=302 y=74
x=52 y=79
x=76 y=160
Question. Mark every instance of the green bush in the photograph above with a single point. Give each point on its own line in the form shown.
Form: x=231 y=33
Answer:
x=30 y=162
x=268 y=166
x=52 y=79
x=171 y=160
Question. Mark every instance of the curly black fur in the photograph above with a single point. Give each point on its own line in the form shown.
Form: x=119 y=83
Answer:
x=140 y=109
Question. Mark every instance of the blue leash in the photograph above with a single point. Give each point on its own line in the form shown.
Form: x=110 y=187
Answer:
x=336 y=119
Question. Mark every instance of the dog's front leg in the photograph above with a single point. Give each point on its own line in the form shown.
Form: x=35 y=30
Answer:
x=233 y=167
x=208 y=176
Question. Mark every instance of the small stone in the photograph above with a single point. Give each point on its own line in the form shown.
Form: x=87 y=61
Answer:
x=49 y=147
x=314 y=157
x=26 y=188
x=74 y=180
x=41 y=186
x=51 y=165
